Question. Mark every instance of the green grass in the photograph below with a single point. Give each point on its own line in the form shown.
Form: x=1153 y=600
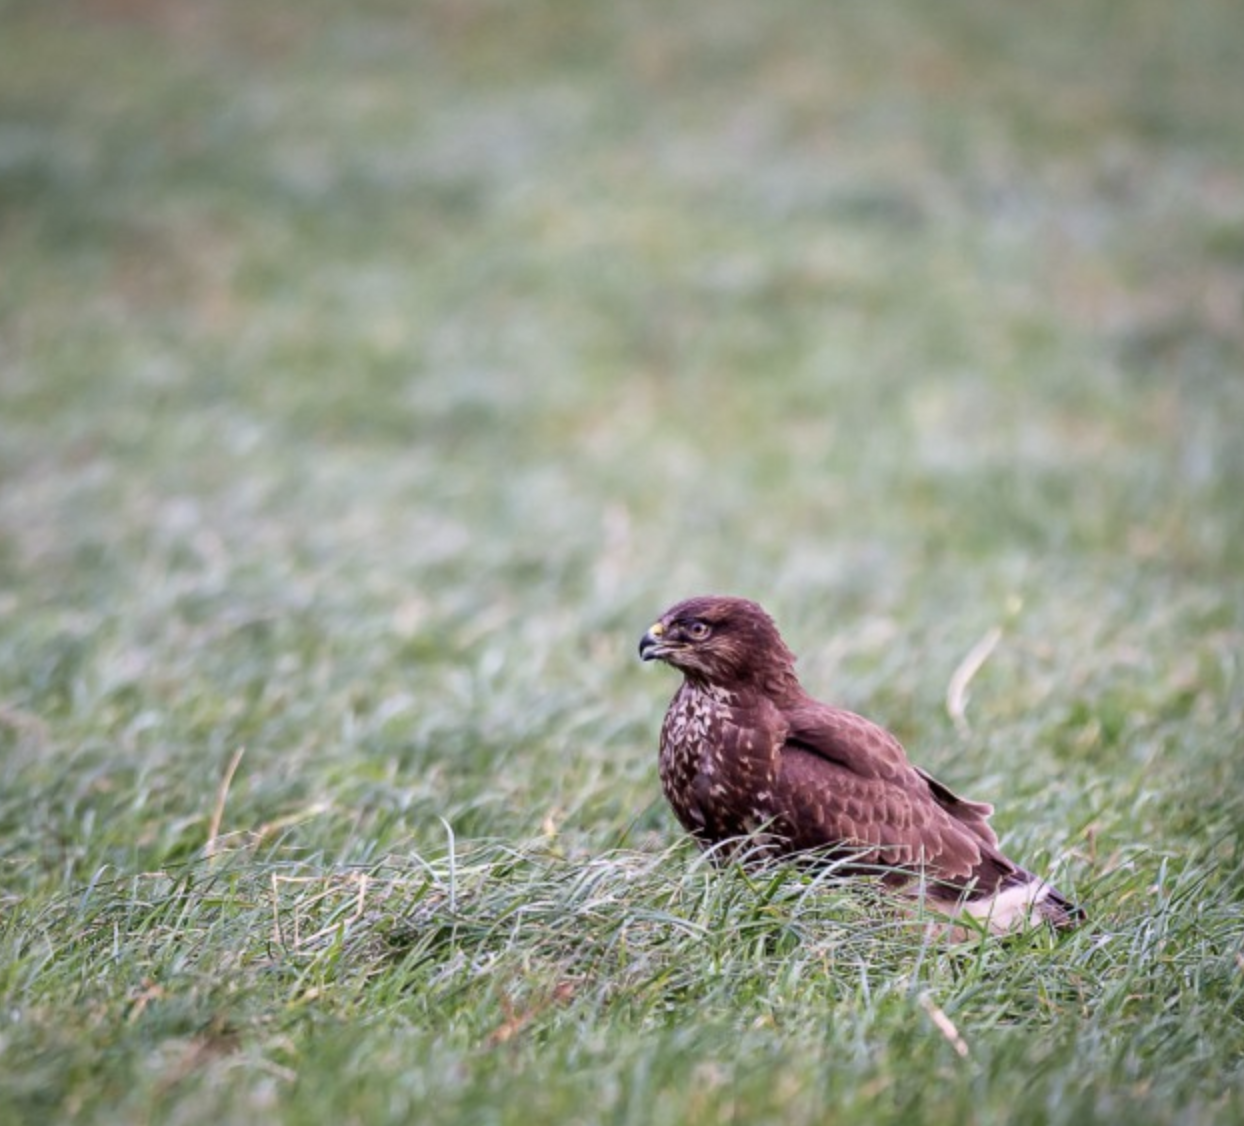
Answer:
x=371 y=376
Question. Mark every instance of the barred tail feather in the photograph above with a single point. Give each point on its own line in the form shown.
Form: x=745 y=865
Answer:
x=1026 y=903
x=1057 y=910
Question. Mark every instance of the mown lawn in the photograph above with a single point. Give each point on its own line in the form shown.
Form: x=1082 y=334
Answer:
x=372 y=374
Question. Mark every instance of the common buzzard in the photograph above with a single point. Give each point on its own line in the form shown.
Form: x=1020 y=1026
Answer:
x=746 y=751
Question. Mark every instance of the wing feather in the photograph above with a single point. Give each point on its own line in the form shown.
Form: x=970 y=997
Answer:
x=974 y=814
x=846 y=782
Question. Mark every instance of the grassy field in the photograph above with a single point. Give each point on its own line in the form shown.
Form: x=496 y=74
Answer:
x=372 y=374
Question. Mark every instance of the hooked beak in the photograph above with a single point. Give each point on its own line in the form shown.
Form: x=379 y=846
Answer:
x=651 y=647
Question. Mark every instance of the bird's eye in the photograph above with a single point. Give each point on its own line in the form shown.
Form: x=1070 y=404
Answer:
x=698 y=631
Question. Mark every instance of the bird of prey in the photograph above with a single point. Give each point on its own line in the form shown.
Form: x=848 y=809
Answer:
x=747 y=753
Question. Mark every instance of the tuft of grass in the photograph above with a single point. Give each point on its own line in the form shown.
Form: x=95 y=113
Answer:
x=371 y=377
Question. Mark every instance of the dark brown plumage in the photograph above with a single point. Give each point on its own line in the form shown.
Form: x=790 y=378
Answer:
x=745 y=750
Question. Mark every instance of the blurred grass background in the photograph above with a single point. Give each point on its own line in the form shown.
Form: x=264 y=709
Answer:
x=371 y=375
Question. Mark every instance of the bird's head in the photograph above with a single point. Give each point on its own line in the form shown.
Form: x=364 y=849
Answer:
x=718 y=639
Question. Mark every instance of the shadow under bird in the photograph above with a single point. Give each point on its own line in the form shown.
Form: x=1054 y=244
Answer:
x=747 y=753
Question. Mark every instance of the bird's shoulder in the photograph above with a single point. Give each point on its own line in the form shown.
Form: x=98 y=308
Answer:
x=857 y=744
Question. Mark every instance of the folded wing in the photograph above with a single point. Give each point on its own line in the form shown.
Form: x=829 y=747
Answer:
x=846 y=782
